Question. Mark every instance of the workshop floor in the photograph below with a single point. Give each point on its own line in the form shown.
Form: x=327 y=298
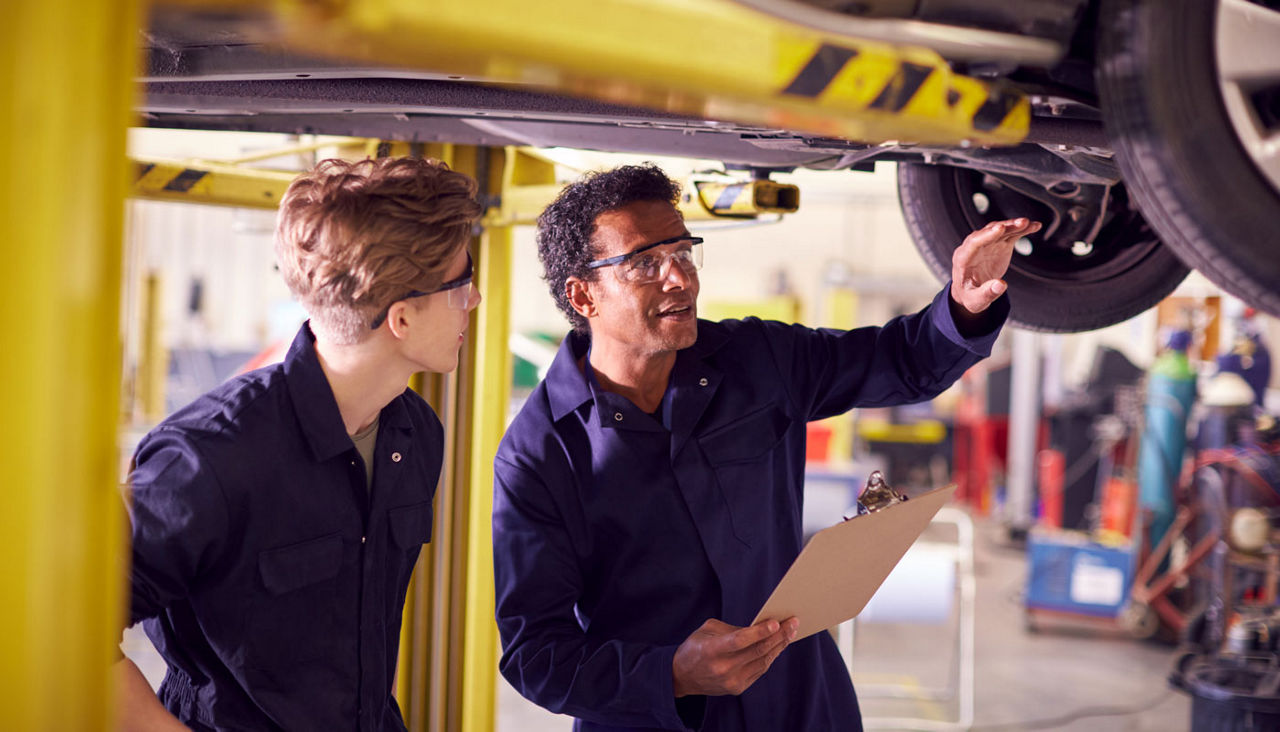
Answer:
x=1023 y=681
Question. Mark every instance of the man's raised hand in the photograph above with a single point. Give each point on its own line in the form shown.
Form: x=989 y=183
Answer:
x=980 y=262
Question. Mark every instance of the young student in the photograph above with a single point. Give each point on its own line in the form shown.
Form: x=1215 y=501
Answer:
x=276 y=519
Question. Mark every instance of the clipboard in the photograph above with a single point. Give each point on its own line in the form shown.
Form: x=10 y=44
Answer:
x=841 y=567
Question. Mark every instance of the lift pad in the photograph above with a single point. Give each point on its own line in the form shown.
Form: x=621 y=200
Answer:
x=746 y=198
x=708 y=59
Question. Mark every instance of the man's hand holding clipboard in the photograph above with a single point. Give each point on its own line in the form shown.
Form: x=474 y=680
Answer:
x=841 y=567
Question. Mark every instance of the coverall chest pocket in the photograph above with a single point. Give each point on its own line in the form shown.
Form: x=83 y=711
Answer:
x=741 y=453
x=410 y=529
x=294 y=616
x=411 y=525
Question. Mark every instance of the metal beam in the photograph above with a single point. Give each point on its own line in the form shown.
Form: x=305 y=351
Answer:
x=66 y=67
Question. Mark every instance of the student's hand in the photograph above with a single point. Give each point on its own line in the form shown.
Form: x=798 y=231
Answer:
x=137 y=708
x=719 y=658
x=982 y=259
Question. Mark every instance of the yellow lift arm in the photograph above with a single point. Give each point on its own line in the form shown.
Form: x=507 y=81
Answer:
x=711 y=59
x=212 y=183
x=224 y=184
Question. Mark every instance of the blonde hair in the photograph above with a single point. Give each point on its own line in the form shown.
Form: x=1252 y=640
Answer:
x=353 y=237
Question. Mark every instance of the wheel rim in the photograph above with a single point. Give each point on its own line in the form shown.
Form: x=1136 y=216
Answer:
x=1247 y=56
x=1108 y=239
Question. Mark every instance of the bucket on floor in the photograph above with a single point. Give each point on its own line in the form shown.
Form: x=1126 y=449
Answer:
x=1230 y=693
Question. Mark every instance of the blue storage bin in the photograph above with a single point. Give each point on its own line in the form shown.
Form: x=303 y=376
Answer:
x=1067 y=572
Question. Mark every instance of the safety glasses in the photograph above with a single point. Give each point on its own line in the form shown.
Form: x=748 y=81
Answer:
x=458 y=291
x=645 y=265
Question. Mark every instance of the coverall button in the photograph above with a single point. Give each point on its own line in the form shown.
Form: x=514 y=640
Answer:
x=617 y=416
x=395 y=457
x=702 y=381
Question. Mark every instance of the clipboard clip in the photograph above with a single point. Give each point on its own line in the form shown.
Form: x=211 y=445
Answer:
x=875 y=496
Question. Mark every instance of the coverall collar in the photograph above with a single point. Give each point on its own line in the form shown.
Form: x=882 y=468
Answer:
x=568 y=389
x=317 y=409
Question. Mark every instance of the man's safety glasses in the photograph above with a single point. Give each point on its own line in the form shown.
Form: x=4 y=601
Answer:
x=644 y=265
x=457 y=289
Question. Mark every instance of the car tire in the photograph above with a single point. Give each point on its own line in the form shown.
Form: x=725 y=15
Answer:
x=1182 y=159
x=1050 y=289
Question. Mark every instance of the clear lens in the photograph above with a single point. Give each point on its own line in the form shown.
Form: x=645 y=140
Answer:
x=653 y=266
x=459 y=297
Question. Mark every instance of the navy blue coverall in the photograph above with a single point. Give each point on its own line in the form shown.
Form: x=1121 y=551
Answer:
x=267 y=575
x=617 y=533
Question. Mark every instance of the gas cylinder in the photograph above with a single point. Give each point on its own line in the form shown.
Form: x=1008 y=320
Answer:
x=1170 y=392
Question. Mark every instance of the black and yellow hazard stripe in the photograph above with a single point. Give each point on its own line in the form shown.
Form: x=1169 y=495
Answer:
x=921 y=85
x=209 y=183
x=819 y=70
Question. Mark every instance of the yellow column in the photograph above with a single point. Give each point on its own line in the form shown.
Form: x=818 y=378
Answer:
x=153 y=370
x=66 y=67
x=449 y=645
x=493 y=392
x=514 y=169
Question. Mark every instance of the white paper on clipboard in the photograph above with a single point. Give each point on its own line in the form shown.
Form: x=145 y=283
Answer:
x=841 y=567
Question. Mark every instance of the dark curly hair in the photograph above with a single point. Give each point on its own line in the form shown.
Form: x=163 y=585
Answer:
x=566 y=227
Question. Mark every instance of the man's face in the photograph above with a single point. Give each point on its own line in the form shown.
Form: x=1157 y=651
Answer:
x=653 y=317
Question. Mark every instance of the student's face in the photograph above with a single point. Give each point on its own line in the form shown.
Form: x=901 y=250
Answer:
x=438 y=328
x=649 y=318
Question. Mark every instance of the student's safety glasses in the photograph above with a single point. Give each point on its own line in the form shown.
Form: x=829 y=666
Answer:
x=458 y=290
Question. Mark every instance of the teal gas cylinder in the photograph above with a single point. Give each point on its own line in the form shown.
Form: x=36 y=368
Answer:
x=1171 y=390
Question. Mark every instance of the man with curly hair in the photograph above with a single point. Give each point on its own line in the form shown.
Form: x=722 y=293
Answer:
x=648 y=496
x=276 y=520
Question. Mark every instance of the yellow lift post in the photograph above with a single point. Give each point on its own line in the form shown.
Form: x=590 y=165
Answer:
x=67 y=70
